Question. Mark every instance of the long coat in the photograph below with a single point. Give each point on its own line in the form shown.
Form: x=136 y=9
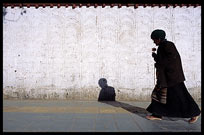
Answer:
x=168 y=65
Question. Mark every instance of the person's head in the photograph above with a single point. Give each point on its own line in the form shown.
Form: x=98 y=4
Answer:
x=102 y=83
x=158 y=36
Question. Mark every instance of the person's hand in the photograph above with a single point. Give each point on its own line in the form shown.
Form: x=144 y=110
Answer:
x=156 y=65
x=154 y=55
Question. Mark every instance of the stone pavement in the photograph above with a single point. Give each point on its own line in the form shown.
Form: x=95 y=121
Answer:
x=87 y=116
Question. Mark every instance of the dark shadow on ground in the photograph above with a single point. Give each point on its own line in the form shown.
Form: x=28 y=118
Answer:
x=142 y=112
x=130 y=108
x=107 y=96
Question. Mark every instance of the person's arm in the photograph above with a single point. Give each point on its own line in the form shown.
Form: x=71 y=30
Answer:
x=171 y=53
x=154 y=55
x=161 y=79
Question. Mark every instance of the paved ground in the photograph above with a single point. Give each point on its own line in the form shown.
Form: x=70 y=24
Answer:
x=86 y=116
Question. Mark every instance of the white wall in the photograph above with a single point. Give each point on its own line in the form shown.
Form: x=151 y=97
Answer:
x=63 y=52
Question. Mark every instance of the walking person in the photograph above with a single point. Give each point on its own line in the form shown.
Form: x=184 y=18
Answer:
x=170 y=96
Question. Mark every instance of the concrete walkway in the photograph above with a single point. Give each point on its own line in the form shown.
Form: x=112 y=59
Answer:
x=87 y=116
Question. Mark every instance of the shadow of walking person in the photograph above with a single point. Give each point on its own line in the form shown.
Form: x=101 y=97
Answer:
x=107 y=93
x=107 y=96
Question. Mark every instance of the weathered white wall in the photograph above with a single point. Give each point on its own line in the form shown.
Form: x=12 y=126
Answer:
x=63 y=52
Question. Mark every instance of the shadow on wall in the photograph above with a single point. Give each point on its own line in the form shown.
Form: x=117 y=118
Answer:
x=107 y=93
x=107 y=96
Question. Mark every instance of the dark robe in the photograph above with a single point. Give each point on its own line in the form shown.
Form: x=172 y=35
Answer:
x=168 y=64
x=179 y=103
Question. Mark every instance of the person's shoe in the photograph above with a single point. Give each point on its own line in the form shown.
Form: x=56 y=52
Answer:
x=150 y=117
x=193 y=119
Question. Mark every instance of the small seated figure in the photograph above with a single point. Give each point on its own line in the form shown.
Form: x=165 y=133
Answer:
x=107 y=93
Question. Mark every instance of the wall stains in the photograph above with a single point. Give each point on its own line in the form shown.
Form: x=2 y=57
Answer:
x=23 y=11
x=4 y=12
x=13 y=16
x=48 y=94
